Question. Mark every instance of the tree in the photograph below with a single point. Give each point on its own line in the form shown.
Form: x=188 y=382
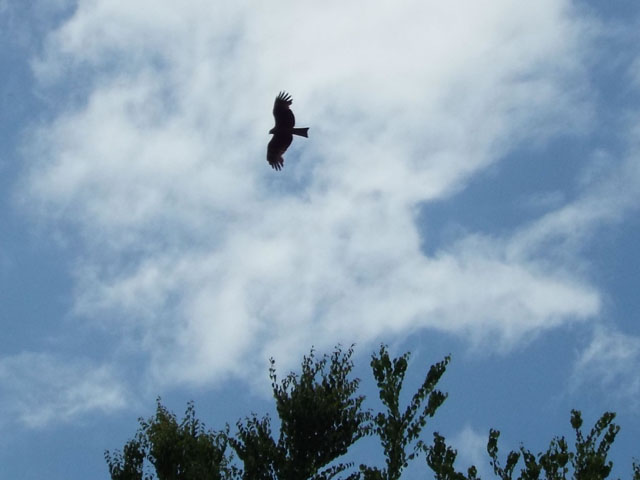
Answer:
x=440 y=458
x=177 y=451
x=399 y=430
x=588 y=461
x=321 y=416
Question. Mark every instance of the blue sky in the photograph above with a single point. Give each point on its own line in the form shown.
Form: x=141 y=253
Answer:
x=470 y=186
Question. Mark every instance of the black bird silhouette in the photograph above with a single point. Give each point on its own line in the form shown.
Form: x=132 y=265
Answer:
x=283 y=131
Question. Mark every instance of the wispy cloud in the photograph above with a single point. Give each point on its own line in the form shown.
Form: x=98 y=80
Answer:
x=472 y=450
x=610 y=365
x=209 y=258
x=37 y=389
x=607 y=195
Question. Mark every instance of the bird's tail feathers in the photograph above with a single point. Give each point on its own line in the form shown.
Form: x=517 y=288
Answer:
x=303 y=132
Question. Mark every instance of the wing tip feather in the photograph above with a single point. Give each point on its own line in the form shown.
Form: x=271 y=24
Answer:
x=284 y=97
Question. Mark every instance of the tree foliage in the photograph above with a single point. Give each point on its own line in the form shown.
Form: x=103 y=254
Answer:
x=321 y=416
x=587 y=462
x=398 y=428
x=177 y=451
x=440 y=458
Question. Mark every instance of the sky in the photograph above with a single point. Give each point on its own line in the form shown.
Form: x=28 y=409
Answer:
x=470 y=186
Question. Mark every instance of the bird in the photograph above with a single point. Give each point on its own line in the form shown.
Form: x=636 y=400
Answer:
x=283 y=131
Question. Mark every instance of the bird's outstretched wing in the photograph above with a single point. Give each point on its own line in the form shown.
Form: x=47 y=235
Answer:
x=281 y=111
x=276 y=148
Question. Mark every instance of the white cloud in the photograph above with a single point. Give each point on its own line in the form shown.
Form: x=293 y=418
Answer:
x=472 y=450
x=610 y=365
x=37 y=389
x=608 y=194
x=210 y=262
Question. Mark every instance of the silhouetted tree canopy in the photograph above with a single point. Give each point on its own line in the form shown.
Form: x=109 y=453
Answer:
x=321 y=416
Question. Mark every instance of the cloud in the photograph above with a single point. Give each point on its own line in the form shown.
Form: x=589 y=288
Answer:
x=610 y=365
x=209 y=262
x=37 y=389
x=609 y=193
x=472 y=450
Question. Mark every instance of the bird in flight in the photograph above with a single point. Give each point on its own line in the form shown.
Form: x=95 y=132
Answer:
x=283 y=131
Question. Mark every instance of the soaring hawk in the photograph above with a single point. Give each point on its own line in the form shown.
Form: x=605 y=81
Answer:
x=283 y=131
